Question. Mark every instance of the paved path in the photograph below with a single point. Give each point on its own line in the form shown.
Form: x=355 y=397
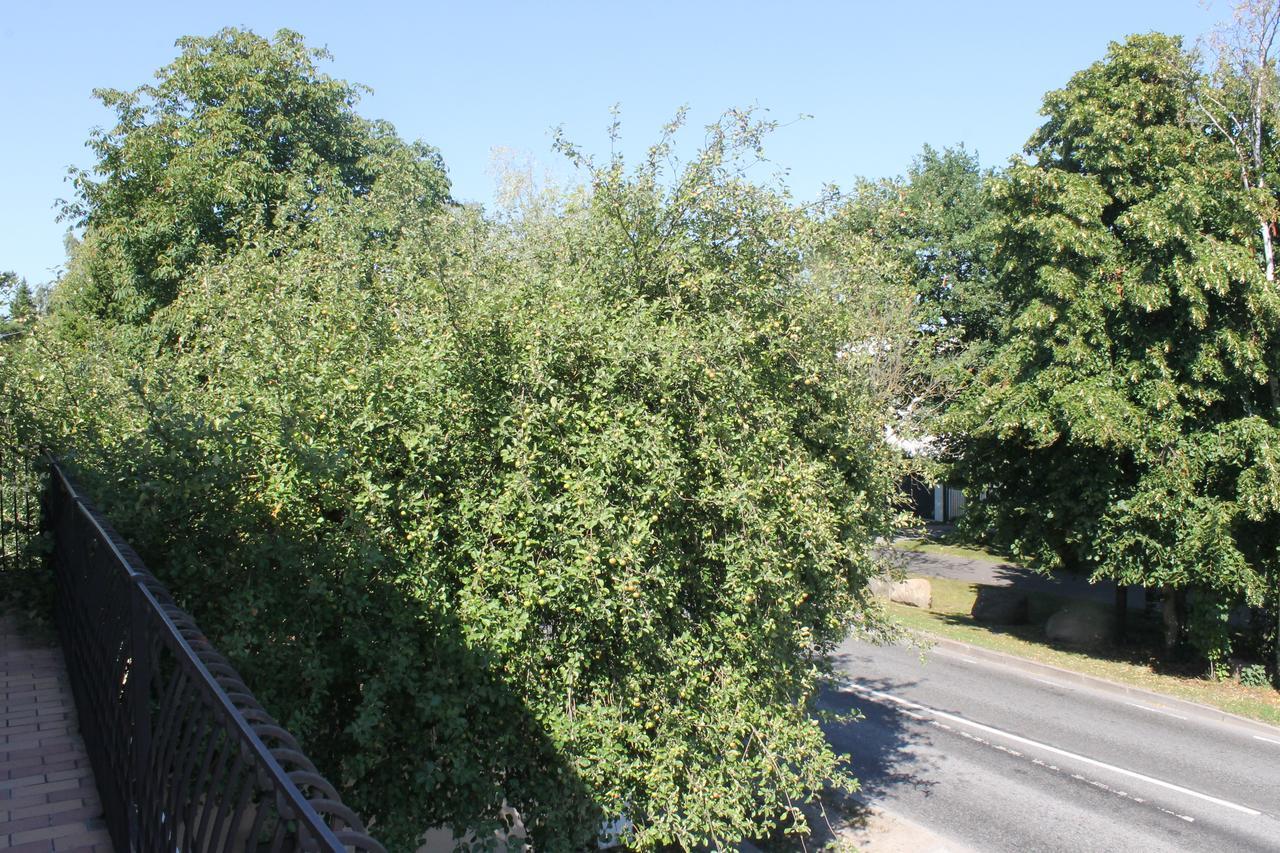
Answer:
x=1001 y=760
x=48 y=801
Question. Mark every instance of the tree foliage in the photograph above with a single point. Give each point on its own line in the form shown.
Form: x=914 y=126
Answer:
x=931 y=226
x=922 y=245
x=240 y=134
x=562 y=509
x=1125 y=427
x=20 y=302
x=1239 y=98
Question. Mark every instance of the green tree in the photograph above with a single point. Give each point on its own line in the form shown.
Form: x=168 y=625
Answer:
x=20 y=301
x=1124 y=428
x=1240 y=100
x=238 y=135
x=920 y=248
x=932 y=226
x=22 y=306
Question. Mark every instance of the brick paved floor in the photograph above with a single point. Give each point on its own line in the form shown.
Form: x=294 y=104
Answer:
x=48 y=801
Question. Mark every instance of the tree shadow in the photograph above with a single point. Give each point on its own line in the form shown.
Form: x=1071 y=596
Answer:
x=887 y=751
x=883 y=741
x=414 y=723
x=1004 y=571
x=1142 y=646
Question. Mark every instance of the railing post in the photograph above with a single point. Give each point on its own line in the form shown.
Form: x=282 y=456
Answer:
x=138 y=696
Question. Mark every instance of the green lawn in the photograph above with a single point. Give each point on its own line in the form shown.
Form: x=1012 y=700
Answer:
x=1133 y=665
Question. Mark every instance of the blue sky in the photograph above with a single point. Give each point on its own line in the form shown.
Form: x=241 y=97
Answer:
x=879 y=79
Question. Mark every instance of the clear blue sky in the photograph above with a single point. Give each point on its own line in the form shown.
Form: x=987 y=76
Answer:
x=880 y=79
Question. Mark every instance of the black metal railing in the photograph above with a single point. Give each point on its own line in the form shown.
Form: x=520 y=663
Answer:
x=185 y=758
x=19 y=514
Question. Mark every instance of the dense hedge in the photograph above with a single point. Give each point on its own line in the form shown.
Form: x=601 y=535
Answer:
x=561 y=509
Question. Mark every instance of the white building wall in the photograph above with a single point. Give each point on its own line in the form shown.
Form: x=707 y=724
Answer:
x=948 y=503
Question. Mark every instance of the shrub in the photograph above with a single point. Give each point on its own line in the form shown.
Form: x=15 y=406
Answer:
x=563 y=509
x=1254 y=675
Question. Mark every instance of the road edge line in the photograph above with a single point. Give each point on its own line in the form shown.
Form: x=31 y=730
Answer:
x=1102 y=685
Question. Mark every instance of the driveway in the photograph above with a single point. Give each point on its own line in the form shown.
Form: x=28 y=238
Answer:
x=993 y=573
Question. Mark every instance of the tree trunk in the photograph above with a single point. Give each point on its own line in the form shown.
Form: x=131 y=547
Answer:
x=1259 y=167
x=1276 y=680
x=1122 y=612
x=1274 y=384
x=1268 y=249
x=1172 y=625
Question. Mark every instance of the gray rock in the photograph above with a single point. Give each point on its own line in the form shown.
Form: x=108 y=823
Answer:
x=881 y=587
x=998 y=605
x=1079 y=625
x=917 y=592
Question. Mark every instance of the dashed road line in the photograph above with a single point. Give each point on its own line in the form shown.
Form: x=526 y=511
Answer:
x=1266 y=739
x=1102 y=786
x=1127 y=796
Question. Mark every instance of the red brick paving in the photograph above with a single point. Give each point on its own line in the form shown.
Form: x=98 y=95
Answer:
x=48 y=802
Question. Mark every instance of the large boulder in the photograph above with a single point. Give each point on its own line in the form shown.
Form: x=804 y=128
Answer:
x=881 y=587
x=1079 y=625
x=1001 y=605
x=917 y=592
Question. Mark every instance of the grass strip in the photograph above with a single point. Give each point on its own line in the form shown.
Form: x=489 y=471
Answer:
x=973 y=552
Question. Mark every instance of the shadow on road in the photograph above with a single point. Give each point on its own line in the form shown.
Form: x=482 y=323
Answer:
x=886 y=750
x=884 y=744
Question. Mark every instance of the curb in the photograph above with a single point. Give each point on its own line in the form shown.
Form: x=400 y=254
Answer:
x=889 y=831
x=884 y=831
x=1102 y=685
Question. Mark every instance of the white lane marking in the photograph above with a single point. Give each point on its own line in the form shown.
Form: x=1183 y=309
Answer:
x=1102 y=786
x=967 y=660
x=1266 y=739
x=1051 y=683
x=1155 y=710
x=1053 y=749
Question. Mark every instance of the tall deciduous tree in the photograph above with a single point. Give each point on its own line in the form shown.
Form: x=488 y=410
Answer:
x=931 y=226
x=920 y=246
x=1124 y=427
x=1240 y=99
x=238 y=134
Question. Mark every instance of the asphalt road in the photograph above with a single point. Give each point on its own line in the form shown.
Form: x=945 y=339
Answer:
x=997 y=759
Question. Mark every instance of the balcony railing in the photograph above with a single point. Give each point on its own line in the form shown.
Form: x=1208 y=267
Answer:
x=184 y=757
